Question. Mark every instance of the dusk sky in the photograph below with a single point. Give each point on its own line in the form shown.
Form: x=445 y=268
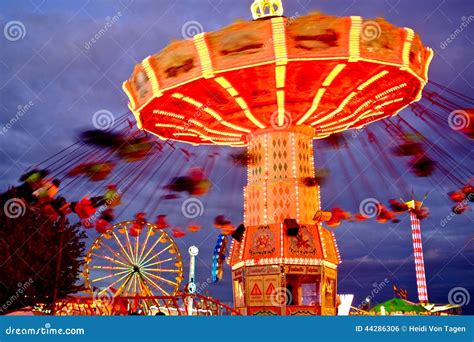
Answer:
x=56 y=71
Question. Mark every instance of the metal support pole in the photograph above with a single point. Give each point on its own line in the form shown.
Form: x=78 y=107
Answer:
x=193 y=252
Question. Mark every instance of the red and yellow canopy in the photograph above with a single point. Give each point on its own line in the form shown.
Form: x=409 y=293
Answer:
x=332 y=73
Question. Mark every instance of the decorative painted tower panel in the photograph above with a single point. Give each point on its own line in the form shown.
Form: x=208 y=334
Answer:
x=285 y=263
x=280 y=161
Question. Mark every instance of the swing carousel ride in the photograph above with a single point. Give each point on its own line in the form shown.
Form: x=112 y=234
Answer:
x=281 y=88
x=274 y=85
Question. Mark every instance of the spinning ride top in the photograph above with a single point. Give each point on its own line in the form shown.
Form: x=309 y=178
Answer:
x=273 y=85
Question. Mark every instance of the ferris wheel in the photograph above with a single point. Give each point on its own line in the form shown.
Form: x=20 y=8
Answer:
x=147 y=264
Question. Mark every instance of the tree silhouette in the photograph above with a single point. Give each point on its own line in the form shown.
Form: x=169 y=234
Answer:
x=29 y=258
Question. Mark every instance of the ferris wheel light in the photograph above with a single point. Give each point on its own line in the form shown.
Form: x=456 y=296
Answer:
x=148 y=264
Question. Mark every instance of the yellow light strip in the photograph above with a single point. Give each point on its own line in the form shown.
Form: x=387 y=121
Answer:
x=321 y=135
x=185 y=134
x=339 y=109
x=314 y=106
x=333 y=74
x=172 y=115
x=225 y=123
x=128 y=91
x=223 y=83
x=294 y=157
x=204 y=56
x=197 y=123
x=138 y=119
x=210 y=130
x=280 y=75
x=192 y=101
x=281 y=107
x=232 y=92
x=331 y=127
x=388 y=103
x=226 y=85
x=354 y=38
x=335 y=129
x=357 y=111
x=407 y=46
x=216 y=116
x=150 y=73
x=346 y=100
x=240 y=101
x=163 y=125
x=265 y=182
x=390 y=90
x=334 y=112
x=362 y=106
x=231 y=144
x=419 y=94
x=200 y=134
x=364 y=115
x=428 y=63
x=368 y=114
x=209 y=111
x=281 y=56
x=372 y=80
x=279 y=40
x=173 y=139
